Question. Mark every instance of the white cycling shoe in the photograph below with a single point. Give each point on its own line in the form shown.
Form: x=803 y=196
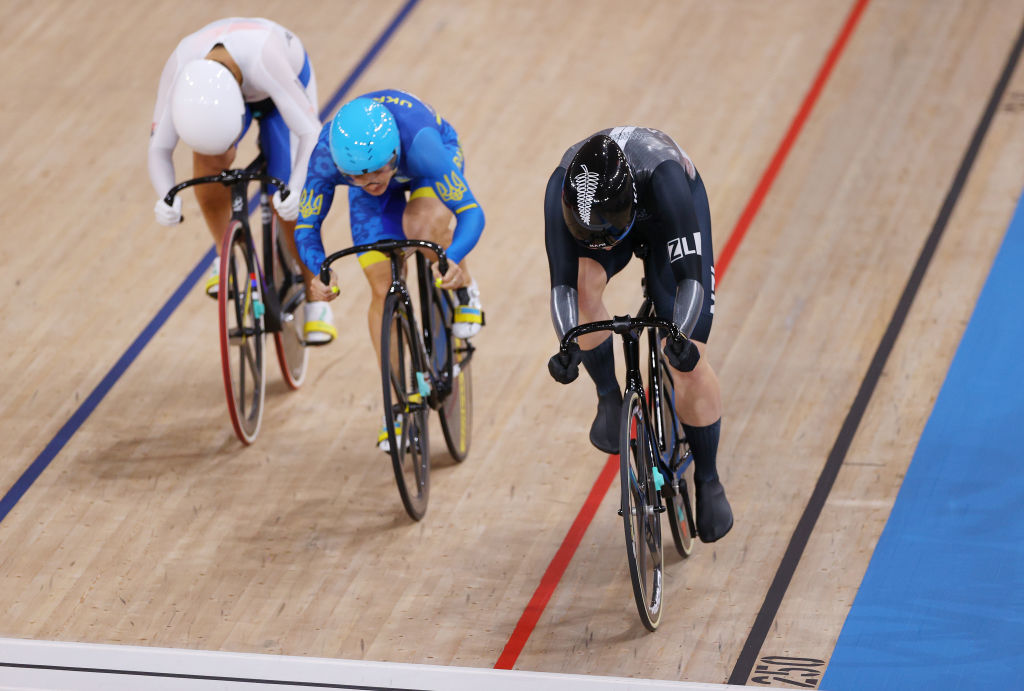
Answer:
x=469 y=318
x=319 y=328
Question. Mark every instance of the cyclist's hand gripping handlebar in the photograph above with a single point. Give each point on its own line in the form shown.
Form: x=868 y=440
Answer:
x=564 y=366
x=682 y=354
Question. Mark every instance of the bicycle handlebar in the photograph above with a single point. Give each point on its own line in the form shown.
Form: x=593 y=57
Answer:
x=384 y=246
x=227 y=178
x=620 y=325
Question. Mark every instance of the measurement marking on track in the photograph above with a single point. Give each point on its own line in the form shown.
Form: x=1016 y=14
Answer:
x=798 y=672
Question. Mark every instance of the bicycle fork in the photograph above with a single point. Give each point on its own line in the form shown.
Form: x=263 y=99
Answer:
x=631 y=350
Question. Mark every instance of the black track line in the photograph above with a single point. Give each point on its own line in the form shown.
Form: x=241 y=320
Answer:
x=802 y=533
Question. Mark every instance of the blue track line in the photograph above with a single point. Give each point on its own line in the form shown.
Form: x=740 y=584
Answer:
x=63 y=436
x=941 y=605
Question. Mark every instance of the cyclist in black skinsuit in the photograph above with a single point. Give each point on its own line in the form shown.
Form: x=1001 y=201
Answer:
x=626 y=191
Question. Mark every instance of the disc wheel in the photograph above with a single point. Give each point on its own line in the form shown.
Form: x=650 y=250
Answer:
x=292 y=355
x=241 y=332
x=639 y=515
x=456 y=411
x=405 y=407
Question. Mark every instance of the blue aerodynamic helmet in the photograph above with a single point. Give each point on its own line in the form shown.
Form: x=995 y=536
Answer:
x=363 y=137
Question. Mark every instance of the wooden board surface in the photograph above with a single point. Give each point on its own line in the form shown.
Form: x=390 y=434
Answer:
x=153 y=526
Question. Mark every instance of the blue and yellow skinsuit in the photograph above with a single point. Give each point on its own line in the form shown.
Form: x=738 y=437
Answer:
x=430 y=163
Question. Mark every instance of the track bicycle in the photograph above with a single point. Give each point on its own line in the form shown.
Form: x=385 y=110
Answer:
x=255 y=298
x=423 y=367
x=653 y=457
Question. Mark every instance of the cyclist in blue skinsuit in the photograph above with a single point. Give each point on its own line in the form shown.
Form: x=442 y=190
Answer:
x=404 y=169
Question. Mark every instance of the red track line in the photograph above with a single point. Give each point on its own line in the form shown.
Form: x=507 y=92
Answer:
x=549 y=581
x=772 y=171
x=560 y=562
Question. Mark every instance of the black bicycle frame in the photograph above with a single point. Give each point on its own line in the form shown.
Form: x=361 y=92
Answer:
x=628 y=328
x=237 y=181
x=395 y=249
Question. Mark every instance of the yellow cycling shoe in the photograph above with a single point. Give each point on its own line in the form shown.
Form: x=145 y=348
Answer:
x=383 y=443
x=213 y=281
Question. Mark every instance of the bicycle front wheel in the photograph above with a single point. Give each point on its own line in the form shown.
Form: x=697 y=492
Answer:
x=241 y=332
x=640 y=517
x=456 y=410
x=405 y=406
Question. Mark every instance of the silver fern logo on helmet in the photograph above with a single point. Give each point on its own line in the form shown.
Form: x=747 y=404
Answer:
x=586 y=188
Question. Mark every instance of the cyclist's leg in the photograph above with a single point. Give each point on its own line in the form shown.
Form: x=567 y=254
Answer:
x=215 y=200
x=215 y=205
x=373 y=219
x=426 y=217
x=596 y=267
x=698 y=395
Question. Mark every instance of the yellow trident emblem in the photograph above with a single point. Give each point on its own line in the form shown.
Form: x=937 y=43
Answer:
x=452 y=188
x=310 y=205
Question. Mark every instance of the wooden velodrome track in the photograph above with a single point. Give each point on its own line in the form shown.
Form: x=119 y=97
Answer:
x=153 y=526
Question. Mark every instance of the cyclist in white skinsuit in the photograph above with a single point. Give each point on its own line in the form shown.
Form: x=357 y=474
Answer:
x=255 y=68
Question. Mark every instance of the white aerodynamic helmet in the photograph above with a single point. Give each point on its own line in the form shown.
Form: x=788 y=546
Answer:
x=207 y=107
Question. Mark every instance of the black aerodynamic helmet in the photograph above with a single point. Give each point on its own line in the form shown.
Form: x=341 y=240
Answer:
x=598 y=194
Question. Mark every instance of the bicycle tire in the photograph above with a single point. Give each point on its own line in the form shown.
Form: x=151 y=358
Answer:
x=241 y=332
x=679 y=507
x=292 y=354
x=456 y=411
x=640 y=517
x=674 y=456
x=403 y=396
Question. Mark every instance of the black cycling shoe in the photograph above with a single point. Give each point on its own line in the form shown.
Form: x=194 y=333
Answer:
x=604 y=433
x=714 y=515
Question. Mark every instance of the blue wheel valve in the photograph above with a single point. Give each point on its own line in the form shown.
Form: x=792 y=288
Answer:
x=659 y=481
x=422 y=384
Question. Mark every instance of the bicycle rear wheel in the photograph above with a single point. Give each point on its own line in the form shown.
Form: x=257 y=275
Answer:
x=241 y=332
x=680 y=508
x=456 y=410
x=640 y=516
x=405 y=406
x=675 y=458
x=292 y=355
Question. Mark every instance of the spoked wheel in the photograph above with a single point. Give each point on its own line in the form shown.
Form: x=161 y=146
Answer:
x=241 y=332
x=456 y=411
x=675 y=456
x=679 y=508
x=639 y=513
x=292 y=355
x=405 y=407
